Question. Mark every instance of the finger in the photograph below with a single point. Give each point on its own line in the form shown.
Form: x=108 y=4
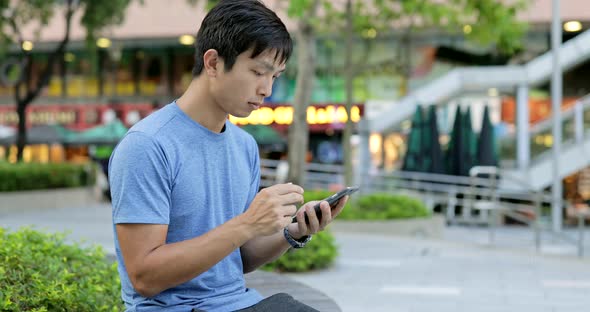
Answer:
x=311 y=203
x=287 y=188
x=336 y=211
x=288 y=211
x=314 y=223
x=291 y=198
x=301 y=220
x=326 y=214
x=286 y=221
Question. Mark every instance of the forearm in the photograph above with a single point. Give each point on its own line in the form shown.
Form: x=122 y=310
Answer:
x=173 y=264
x=263 y=249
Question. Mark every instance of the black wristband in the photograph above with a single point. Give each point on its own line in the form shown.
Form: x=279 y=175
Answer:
x=296 y=243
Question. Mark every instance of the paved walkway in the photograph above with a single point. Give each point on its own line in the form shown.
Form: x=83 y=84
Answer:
x=383 y=273
x=380 y=273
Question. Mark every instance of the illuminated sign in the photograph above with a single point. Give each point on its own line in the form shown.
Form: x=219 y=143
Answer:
x=40 y=117
x=283 y=115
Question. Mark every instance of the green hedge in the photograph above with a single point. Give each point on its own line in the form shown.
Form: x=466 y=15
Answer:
x=40 y=272
x=322 y=250
x=32 y=176
x=385 y=207
x=376 y=206
x=319 y=253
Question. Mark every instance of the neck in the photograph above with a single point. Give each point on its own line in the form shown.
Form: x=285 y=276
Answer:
x=199 y=105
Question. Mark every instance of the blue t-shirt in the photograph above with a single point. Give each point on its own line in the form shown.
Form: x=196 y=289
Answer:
x=169 y=169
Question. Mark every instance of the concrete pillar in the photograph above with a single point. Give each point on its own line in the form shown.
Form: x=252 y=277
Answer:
x=364 y=155
x=523 y=140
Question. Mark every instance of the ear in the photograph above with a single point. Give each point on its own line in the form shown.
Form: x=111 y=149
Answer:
x=212 y=62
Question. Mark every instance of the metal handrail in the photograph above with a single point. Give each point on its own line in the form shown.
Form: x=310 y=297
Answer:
x=462 y=191
x=465 y=192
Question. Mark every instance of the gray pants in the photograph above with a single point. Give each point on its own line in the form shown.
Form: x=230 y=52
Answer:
x=280 y=302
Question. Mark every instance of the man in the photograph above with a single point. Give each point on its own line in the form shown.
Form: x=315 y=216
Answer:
x=187 y=217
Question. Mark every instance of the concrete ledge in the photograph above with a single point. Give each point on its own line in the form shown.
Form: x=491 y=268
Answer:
x=46 y=199
x=432 y=227
x=269 y=283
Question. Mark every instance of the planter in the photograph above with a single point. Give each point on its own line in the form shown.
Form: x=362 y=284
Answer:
x=46 y=199
x=431 y=227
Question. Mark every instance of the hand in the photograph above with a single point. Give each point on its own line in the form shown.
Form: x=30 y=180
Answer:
x=300 y=229
x=272 y=208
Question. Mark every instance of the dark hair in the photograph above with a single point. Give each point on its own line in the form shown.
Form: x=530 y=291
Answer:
x=234 y=26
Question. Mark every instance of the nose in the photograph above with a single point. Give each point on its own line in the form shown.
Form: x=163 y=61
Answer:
x=265 y=89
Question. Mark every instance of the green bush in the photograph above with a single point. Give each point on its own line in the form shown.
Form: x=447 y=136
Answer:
x=384 y=207
x=23 y=176
x=40 y=272
x=319 y=253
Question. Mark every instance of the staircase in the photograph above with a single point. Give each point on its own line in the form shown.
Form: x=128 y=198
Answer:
x=535 y=72
x=576 y=142
x=575 y=149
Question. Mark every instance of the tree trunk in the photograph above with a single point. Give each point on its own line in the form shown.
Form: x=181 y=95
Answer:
x=33 y=91
x=349 y=69
x=299 y=131
x=21 y=108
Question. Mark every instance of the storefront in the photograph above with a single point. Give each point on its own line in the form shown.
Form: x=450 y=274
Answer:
x=326 y=124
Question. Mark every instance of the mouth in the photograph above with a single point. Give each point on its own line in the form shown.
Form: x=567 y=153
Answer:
x=254 y=105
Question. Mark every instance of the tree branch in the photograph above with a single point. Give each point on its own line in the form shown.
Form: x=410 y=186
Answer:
x=57 y=54
x=15 y=29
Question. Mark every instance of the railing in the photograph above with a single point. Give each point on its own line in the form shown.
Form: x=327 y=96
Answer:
x=318 y=176
x=575 y=126
x=477 y=199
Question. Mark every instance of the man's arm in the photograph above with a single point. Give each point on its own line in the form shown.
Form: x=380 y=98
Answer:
x=263 y=249
x=154 y=266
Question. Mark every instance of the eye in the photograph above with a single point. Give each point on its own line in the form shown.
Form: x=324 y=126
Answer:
x=257 y=73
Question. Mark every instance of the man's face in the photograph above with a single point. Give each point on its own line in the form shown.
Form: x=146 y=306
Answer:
x=242 y=89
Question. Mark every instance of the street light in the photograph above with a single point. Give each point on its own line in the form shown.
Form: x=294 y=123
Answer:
x=27 y=46
x=103 y=43
x=186 y=40
x=572 y=26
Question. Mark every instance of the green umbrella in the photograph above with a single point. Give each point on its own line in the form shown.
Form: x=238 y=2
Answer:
x=433 y=160
x=453 y=158
x=470 y=140
x=486 y=150
x=264 y=135
x=42 y=134
x=109 y=133
x=413 y=160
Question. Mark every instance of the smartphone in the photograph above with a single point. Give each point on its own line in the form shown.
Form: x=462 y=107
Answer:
x=332 y=200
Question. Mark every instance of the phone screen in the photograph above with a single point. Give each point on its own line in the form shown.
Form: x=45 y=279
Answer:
x=333 y=200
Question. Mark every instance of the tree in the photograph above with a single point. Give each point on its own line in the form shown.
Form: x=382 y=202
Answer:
x=17 y=15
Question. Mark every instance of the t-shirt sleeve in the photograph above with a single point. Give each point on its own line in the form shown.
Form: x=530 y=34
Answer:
x=255 y=169
x=140 y=182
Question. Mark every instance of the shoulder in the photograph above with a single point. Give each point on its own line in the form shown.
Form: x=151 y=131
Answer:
x=146 y=139
x=156 y=122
